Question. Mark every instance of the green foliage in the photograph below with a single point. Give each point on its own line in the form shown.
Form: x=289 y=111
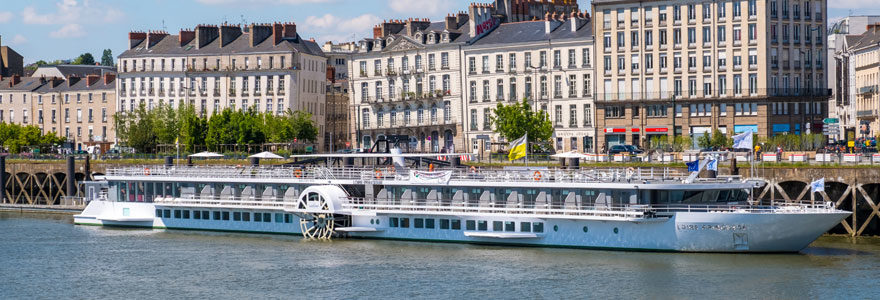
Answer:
x=84 y=59
x=144 y=130
x=715 y=140
x=107 y=58
x=794 y=142
x=16 y=138
x=515 y=120
x=678 y=144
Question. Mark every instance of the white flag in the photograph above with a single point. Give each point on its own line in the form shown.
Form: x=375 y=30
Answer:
x=743 y=140
x=712 y=165
x=818 y=185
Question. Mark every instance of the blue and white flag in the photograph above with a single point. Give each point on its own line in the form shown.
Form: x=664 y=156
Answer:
x=712 y=165
x=818 y=185
x=694 y=166
x=743 y=140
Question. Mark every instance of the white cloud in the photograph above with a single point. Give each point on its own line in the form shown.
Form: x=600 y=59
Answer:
x=70 y=11
x=72 y=30
x=5 y=16
x=852 y=4
x=19 y=39
x=431 y=8
x=332 y=28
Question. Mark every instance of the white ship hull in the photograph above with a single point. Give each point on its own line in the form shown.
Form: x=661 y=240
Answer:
x=778 y=231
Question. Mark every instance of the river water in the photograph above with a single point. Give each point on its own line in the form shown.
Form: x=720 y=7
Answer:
x=46 y=256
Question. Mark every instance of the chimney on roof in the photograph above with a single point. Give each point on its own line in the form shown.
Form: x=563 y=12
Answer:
x=186 y=36
x=415 y=25
x=461 y=18
x=55 y=82
x=92 y=79
x=109 y=77
x=550 y=23
x=135 y=38
x=387 y=28
x=228 y=33
x=153 y=37
x=259 y=33
x=277 y=32
x=288 y=31
x=205 y=34
x=450 y=23
x=71 y=80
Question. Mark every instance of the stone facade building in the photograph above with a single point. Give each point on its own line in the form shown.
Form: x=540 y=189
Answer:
x=80 y=109
x=267 y=67
x=412 y=79
x=690 y=67
x=11 y=63
x=863 y=52
x=548 y=62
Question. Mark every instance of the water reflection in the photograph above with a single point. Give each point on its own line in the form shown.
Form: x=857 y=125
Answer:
x=53 y=258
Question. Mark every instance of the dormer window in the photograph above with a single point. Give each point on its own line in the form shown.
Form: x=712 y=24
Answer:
x=446 y=37
x=431 y=38
x=390 y=40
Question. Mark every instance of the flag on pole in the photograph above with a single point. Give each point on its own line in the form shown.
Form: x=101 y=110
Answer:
x=518 y=148
x=743 y=140
x=694 y=166
x=818 y=185
x=712 y=165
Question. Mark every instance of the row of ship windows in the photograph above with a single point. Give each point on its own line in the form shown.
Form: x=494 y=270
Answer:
x=224 y=216
x=471 y=225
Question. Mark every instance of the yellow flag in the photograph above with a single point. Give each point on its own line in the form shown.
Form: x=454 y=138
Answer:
x=517 y=149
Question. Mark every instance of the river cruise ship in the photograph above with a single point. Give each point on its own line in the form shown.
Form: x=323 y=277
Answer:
x=621 y=209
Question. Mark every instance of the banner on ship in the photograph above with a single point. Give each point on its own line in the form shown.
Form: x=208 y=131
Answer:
x=430 y=177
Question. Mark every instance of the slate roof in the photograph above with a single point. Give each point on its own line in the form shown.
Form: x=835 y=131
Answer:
x=78 y=86
x=26 y=84
x=170 y=46
x=870 y=38
x=81 y=70
x=533 y=31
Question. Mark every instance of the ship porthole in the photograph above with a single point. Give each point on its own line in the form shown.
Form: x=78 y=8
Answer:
x=615 y=230
x=371 y=221
x=555 y=227
x=586 y=229
x=377 y=221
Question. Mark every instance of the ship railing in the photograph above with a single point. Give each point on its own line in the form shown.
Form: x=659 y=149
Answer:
x=448 y=207
x=390 y=173
x=571 y=209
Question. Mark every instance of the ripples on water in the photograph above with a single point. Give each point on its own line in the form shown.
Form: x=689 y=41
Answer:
x=46 y=256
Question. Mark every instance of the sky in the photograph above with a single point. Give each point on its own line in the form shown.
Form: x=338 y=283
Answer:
x=63 y=29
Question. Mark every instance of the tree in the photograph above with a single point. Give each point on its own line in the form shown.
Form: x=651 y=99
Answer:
x=107 y=58
x=84 y=59
x=515 y=120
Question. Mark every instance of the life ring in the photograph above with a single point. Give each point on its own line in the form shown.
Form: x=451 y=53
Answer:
x=473 y=169
x=431 y=167
x=537 y=175
x=378 y=174
x=147 y=171
x=298 y=173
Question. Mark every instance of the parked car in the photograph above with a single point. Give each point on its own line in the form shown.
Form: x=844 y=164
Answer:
x=617 y=149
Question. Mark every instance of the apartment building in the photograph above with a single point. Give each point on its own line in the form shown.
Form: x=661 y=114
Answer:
x=11 y=63
x=80 y=109
x=405 y=81
x=410 y=80
x=548 y=62
x=690 y=67
x=267 y=67
x=338 y=109
x=863 y=53
x=841 y=34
